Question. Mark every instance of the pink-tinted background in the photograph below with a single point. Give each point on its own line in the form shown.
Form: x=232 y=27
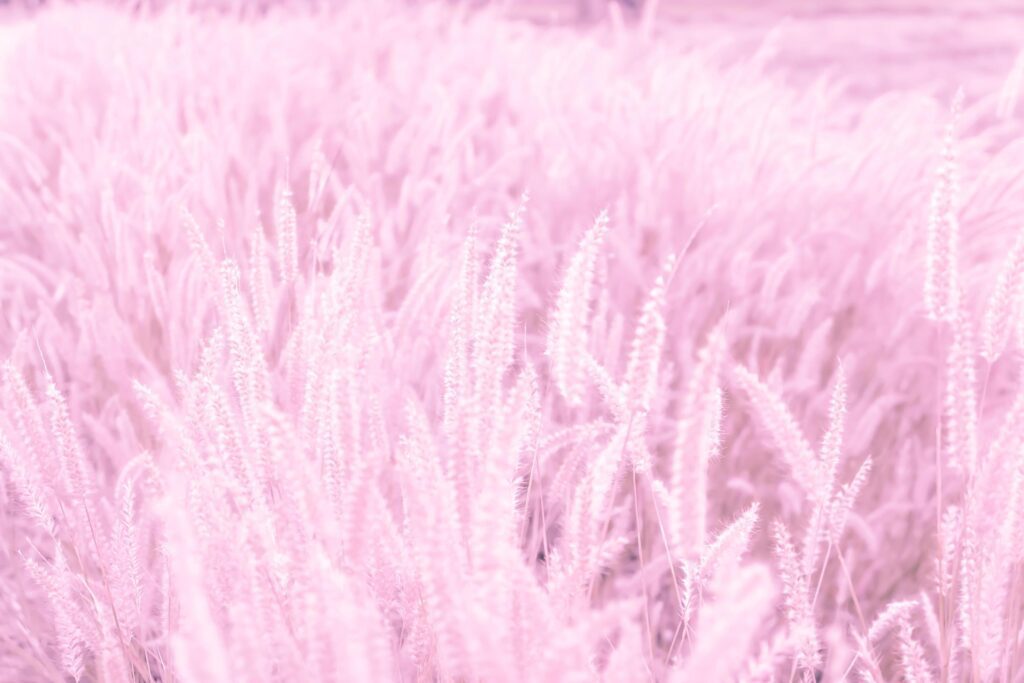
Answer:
x=318 y=369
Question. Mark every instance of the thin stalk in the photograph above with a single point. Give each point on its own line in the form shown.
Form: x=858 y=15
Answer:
x=672 y=645
x=821 y=575
x=1013 y=633
x=853 y=661
x=853 y=591
x=668 y=551
x=943 y=607
x=1015 y=630
x=643 y=577
x=110 y=596
x=608 y=519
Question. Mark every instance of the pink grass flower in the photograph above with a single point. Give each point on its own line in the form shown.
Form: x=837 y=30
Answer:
x=298 y=385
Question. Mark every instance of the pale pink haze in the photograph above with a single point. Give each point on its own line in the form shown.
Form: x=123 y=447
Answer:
x=538 y=341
